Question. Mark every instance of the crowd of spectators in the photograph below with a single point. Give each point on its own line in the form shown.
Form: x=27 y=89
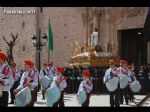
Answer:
x=74 y=78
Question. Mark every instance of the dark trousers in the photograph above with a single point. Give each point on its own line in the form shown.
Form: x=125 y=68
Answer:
x=60 y=102
x=35 y=96
x=87 y=101
x=124 y=94
x=4 y=99
x=16 y=83
x=131 y=95
x=114 y=98
x=31 y=104
x=43 y=94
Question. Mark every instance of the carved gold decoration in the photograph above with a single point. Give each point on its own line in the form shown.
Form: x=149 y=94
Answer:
x=91 y=51
x=93 y=61
x=98 y=48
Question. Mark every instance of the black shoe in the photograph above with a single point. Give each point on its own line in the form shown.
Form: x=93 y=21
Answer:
x=132 y=100
x=127 y=103
x=12 y=102
x=112 y=106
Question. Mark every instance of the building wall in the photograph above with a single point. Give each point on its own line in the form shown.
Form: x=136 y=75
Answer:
x=13 y=23
x=69 y=26
x=113 y=19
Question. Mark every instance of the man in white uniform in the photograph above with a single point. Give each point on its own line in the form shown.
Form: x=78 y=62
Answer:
x=43 y=72
x=61 y=83
x=6 y=80
x=16 y=76
x=87 y=86
x=29 y=78
x=110 y=73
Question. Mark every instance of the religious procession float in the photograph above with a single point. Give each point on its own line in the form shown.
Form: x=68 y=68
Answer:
x=93 y=57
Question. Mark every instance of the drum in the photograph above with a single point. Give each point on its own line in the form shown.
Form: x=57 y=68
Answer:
x=135 y=86
x=123 y=81
x=81 y=98
x=23 y=97
x=52 y=95
x=45 y=81
x=120 y=75
x=112 y=84
x=1 y=93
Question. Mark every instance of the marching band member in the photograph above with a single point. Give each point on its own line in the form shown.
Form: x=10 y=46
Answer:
x=61 y=83
x=36 y=89
x=43 y=72
x=132 y=78
x=123 y=92
x=6 y=80
x=51 y=70
x=87 y=86
x=110 y=73
x=16 y=76
x=29 y=78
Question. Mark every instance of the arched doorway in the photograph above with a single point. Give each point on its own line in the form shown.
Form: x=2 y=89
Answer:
x=130 y=45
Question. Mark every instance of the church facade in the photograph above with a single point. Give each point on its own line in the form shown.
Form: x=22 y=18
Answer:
x=71 y=26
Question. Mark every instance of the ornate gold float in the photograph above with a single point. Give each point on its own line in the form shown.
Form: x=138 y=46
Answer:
x=93 y=58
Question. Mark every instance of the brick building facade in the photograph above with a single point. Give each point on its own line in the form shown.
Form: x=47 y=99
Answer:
x=70 y=26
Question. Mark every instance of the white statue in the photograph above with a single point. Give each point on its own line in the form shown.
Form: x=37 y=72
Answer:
x=94 y=38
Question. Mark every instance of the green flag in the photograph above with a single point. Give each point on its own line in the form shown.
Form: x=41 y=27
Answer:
x=50 y=37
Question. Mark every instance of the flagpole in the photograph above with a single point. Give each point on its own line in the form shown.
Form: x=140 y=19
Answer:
x=50 y=41
x=48 y=48
x=48 y=55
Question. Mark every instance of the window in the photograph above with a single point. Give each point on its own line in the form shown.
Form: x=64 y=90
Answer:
x=23 y=48
x=41 y=9
x=23 y=24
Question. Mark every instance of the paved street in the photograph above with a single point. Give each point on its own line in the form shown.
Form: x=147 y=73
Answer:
x=96 y=100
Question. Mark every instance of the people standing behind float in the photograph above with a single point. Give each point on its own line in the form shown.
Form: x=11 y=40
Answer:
x=6 y=80
x=43 y=72
x=28 y=79
x=124 y=91
x=132 y=78
x=60 y=81
x=16 y=76
x=86 y=86
x=111 y=73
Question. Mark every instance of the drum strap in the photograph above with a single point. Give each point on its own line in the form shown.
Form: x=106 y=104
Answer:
x=62 y=78
x=5 y=70
x=89 y=84
x=25 y=80
x=13 y=71
x=31 y=75
x=44 y=72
